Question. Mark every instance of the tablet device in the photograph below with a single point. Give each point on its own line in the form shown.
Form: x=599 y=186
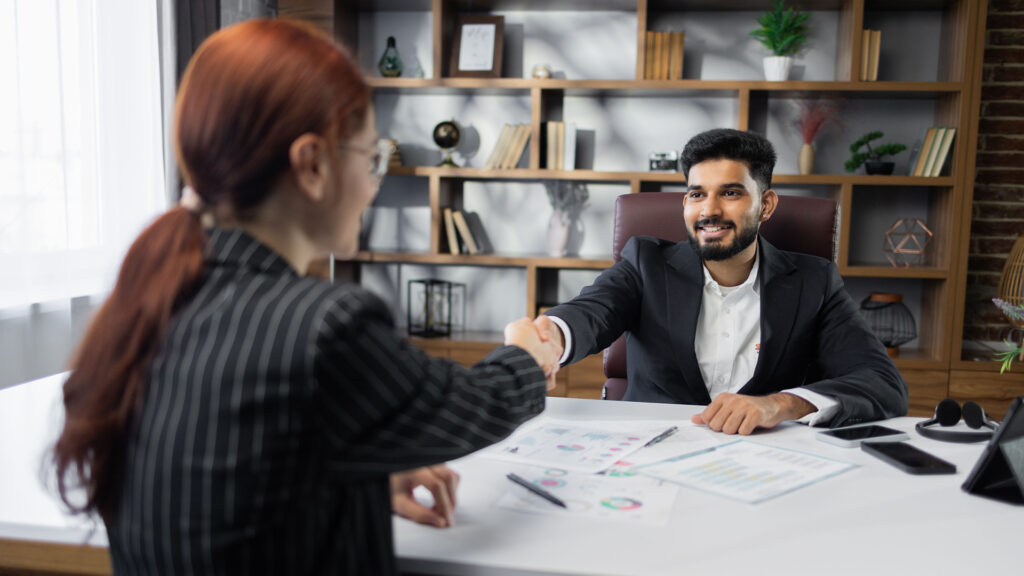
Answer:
x=999 y=472
x=853 y=436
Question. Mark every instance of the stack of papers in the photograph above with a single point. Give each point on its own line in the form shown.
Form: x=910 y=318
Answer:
x=605 y=470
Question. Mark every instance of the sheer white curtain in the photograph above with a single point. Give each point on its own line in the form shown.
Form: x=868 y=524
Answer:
x=81 y=162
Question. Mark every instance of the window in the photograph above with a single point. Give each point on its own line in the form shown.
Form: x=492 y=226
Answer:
x=81 y=143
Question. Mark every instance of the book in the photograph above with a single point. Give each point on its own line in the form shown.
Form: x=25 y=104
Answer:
x=570 y=146
x=499 y=147
x=876 y=50
x=476 y=228
x=865 y=53
x=449 y=227
x=507 y=160
x=675 y=71
x=550 y=149
x=922 y=155
x=648 y=55
x=933 y=150
x=658 y=40
x=666 y=52
x=943 y=153
x=915 y=153
x=464 y=232
x=560 y=145
x=517 y=147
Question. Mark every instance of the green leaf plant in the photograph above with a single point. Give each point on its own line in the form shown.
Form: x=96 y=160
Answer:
x=874 y=154
x=1015 y=314
x=783 y=30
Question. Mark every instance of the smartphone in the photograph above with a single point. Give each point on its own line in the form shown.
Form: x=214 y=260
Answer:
x=852 y=436
x=910 y=459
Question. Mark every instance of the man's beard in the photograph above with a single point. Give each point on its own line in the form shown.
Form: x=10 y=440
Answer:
x=715 y=250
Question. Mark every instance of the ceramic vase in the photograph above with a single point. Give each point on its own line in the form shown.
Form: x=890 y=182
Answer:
x=558 y=233
x=805 y=161
x=776 y=68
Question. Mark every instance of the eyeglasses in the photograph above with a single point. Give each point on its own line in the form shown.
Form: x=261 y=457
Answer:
x=380 y=155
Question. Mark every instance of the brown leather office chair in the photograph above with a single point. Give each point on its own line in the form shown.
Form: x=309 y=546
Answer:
x=799 y=224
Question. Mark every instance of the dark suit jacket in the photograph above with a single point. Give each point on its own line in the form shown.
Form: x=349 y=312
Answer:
x=811 y=332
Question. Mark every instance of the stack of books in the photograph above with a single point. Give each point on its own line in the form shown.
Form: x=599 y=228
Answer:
x=509 y=148
x=870 y=46
x=663 y=55
x=465 y=233
x=934 y=151
x=561 y=145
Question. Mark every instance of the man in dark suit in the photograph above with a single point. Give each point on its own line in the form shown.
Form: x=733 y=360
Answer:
x=727 y=320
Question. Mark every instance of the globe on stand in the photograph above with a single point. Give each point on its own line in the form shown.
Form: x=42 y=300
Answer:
x=446 y=136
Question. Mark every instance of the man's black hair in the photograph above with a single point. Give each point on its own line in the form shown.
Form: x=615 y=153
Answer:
x=750 y=148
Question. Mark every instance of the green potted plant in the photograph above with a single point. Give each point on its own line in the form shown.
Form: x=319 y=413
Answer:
x=783 y=31
x=1014 y=350
x=872 y=159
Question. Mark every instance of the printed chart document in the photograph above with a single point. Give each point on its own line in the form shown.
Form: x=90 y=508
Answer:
x=745 y=470
x=689 y=438
x=579 y=447
x=636 y=499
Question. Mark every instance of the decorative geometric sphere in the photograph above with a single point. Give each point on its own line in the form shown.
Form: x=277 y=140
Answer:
x=446 y=134
x=906 y=242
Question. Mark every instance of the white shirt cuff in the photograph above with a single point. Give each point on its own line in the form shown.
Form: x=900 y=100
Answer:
x=567 y=338
x=826 y=406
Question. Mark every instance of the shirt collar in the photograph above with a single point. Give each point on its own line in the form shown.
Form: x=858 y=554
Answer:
x=750 y=282
x=234 y=247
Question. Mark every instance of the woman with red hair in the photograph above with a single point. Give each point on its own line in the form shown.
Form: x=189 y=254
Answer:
x=227 y=414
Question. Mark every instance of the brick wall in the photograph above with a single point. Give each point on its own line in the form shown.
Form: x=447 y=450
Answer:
x=998 y=211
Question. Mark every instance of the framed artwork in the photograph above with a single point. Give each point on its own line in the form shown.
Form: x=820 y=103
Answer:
x=476 y=47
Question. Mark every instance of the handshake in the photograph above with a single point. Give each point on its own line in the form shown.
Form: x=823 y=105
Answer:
x=542 y=339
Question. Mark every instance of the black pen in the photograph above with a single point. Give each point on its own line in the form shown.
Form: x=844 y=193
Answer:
x=662 y=436
x=536 y=490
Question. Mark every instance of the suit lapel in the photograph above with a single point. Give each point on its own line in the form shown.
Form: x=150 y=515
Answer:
x=684 y=282
x=780 y=300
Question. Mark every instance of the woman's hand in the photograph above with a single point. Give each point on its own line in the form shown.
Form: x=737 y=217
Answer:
x=440 y=480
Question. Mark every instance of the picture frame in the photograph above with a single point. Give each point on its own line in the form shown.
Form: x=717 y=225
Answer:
x=477 y=47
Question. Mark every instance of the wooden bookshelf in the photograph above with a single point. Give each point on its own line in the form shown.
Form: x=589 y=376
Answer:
x=952 y=92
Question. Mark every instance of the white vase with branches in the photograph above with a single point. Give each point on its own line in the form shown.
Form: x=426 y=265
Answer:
x=565 y=229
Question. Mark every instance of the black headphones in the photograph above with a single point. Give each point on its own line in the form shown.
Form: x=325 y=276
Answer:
x=947 y=413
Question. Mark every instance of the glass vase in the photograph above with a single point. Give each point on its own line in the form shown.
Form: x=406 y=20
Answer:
x=390 y=64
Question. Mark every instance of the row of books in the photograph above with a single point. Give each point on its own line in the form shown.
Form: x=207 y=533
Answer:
x=509 y=148
x=561 y=145
x=934 y=151
x=870 y=47
x=465 y=232
x=663 y=55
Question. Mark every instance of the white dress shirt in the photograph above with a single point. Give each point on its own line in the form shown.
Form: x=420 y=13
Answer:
x=728 y=340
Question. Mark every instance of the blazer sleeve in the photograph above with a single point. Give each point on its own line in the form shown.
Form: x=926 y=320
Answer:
x=606 y=308
x=384 y=405
x=852 y=364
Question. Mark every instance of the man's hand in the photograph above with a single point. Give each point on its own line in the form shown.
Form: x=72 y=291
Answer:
x=541 y=338
x=440 y=480
x=732 y=413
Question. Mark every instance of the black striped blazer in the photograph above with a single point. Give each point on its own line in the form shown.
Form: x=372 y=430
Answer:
x=274 y=411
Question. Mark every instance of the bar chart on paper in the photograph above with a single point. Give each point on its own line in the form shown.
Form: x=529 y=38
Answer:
x=746 y=471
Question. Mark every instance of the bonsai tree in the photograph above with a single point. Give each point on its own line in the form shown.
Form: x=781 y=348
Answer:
x=783 y=30
x=873 y=154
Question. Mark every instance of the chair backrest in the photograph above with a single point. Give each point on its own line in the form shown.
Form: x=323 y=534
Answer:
x=799 y=224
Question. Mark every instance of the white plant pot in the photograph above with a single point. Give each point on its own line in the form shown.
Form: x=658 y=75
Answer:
x=776 y=68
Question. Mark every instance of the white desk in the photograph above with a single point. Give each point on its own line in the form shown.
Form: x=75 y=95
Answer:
x=873 y=519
